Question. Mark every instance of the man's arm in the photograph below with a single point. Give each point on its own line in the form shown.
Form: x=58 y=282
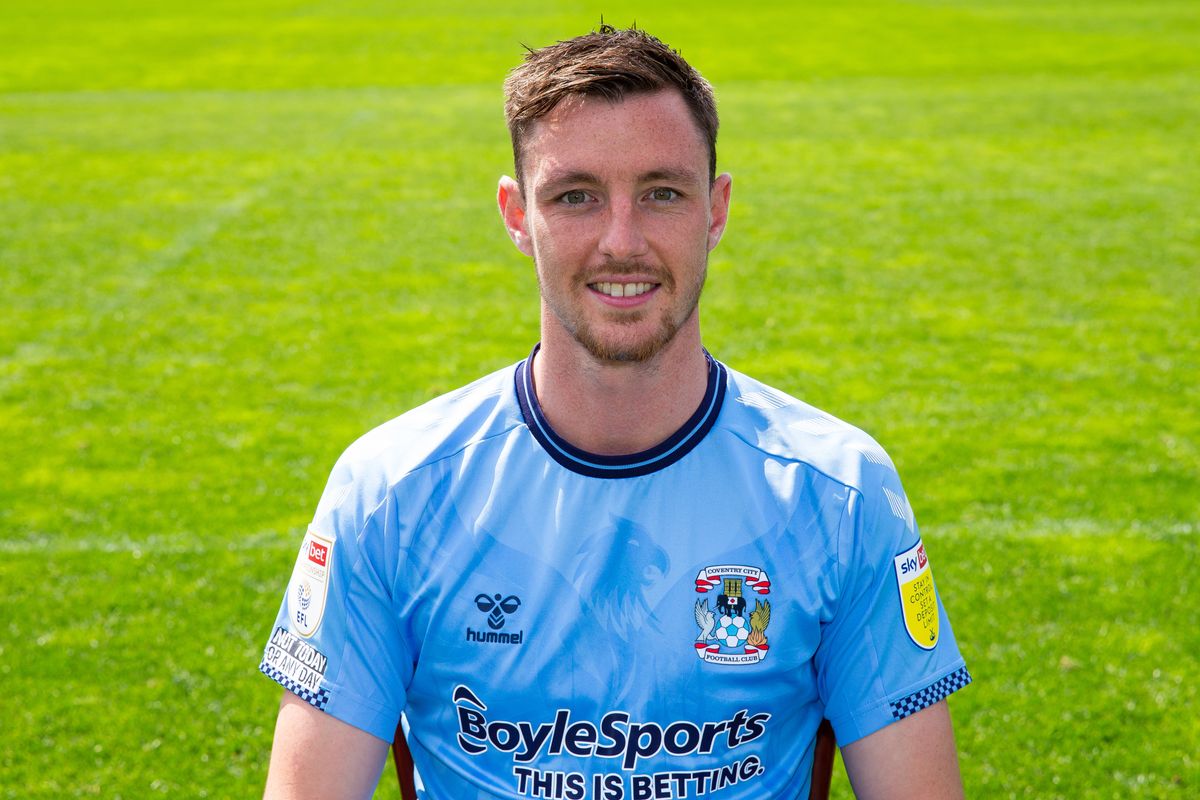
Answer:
x=913 y=758
x=319 y=756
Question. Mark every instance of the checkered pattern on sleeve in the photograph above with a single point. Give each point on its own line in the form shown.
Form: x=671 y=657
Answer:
x=316 y=699
x=938 y=690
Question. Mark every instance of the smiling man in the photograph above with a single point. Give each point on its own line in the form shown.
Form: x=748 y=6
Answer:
x=618 y=569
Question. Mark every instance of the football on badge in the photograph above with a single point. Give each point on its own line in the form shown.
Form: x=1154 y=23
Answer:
x=733 y=631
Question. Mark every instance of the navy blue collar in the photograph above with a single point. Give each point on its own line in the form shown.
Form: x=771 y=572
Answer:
x=662 y=455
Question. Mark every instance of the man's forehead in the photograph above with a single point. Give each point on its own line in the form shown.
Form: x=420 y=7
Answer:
x=644 y=135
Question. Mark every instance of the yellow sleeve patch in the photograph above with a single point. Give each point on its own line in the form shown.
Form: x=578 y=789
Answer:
x=918 y=599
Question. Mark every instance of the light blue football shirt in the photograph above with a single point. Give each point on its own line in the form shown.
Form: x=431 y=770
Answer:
x=558 y=624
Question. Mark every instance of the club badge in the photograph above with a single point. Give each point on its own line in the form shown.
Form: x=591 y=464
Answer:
x=731 y=632
x=918 y=598
x=310 y=584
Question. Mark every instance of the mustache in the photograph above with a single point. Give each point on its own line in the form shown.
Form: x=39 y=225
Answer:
x=623 y=269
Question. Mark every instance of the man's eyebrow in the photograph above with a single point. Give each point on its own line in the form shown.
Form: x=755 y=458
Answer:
x=574 y=176
x=583 y=177
x=670 y=175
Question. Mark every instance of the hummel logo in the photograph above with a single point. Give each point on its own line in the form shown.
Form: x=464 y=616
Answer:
x=496 y=607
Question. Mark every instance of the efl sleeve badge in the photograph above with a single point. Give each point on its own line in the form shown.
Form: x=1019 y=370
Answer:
x=310 y=584
x=918 y=599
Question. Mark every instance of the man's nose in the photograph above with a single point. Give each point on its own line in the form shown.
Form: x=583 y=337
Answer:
x=622 y=238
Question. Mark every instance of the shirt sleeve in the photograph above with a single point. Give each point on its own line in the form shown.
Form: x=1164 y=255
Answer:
x=336 y=642
x=888 y=651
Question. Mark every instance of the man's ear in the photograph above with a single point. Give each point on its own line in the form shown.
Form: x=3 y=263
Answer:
x=512 y=211
x=718 y=209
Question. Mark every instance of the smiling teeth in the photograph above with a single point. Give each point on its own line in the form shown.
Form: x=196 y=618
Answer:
x=622 y=289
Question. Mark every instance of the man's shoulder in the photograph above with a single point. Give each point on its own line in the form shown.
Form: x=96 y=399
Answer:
x=395 y=455
x=436 y=429
x=785 y=427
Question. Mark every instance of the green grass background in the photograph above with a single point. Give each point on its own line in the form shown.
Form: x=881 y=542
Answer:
x=234 y=236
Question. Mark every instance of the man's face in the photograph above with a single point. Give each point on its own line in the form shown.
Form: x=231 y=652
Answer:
x=619 y=216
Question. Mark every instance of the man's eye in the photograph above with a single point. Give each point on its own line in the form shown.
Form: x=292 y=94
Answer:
x=663 y=195
x=575 y=197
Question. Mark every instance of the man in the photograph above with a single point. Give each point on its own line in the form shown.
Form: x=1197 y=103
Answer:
x=618 y=569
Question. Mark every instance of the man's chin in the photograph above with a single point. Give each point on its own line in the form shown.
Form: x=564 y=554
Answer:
x=625 y=350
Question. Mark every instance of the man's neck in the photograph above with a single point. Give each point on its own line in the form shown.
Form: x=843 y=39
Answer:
x=619 y=408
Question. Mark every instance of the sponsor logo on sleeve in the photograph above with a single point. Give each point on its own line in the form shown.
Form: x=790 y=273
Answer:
x=310 y=584
x=318 y=553
x=918 y=598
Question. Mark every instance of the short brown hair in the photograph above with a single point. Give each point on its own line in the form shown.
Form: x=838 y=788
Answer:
x=608 y=63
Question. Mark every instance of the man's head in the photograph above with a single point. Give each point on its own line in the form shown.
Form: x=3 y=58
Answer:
x=609 y=63
x=615 y=202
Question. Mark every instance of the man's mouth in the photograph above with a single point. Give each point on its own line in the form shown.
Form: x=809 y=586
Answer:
x=613 y=289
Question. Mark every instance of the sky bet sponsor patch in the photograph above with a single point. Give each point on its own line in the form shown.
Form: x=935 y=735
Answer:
x=310 y=584
x=917 y=596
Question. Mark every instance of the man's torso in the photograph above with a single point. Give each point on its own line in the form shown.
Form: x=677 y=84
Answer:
x=556 y=624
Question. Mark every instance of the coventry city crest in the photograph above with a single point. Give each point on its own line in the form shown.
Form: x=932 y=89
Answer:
x=732 y=633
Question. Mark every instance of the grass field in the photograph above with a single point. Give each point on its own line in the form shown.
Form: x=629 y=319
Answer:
x=237 y=235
